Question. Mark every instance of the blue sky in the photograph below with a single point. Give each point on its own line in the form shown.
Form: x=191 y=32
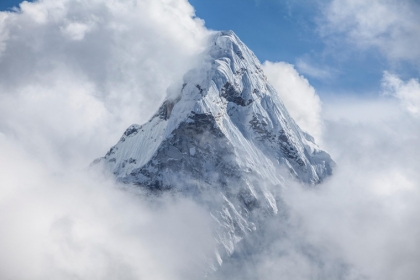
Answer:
x=291 y=31
x=7 y=4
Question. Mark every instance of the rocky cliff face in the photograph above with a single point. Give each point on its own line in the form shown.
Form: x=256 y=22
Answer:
x=221 y=140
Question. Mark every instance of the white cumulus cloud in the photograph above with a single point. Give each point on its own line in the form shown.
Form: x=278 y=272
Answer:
x=73 y=75
x=80 y=72
x=299 y=97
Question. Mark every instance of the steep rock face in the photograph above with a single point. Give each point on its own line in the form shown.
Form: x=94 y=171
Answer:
x=222 y=141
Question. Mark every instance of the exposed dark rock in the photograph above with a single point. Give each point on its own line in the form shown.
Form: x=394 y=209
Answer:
x=231 y=94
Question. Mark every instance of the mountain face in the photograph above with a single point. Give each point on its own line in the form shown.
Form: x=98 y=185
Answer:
x=226 y=140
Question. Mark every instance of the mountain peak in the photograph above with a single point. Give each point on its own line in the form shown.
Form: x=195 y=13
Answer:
x=230 y=86
x=228 y=44
x=226 y=39
x=222 y=141
x=228 y=34
x=230 y=68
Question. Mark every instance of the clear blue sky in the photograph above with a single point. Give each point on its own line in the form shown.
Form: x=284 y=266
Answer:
x=287 y=31
x=7 y=4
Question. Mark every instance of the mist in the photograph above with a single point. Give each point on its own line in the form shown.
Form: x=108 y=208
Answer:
x=366 y=212
x=81 y=225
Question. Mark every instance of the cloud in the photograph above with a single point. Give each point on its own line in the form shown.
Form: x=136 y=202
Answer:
x=369 y=109
x=80 y=72
x=79 y=225
x=407 y=92
x=367 y=210
x=73 y=75
x=391 y=26
x=297 y=94
x=306 y=67
x=360 y=224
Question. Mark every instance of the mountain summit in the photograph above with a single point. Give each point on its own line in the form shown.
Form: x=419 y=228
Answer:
x=221 y=139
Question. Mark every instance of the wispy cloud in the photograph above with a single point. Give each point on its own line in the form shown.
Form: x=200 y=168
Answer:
x=390 y=26
x=306 y=67
x=407 y=92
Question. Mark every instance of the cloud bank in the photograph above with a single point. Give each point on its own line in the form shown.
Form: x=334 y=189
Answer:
x=365 y=214
x=82 y=71
x=74 y=75
x=77 y=225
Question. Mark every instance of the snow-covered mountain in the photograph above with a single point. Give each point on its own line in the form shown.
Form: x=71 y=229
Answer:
x=223 y=138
